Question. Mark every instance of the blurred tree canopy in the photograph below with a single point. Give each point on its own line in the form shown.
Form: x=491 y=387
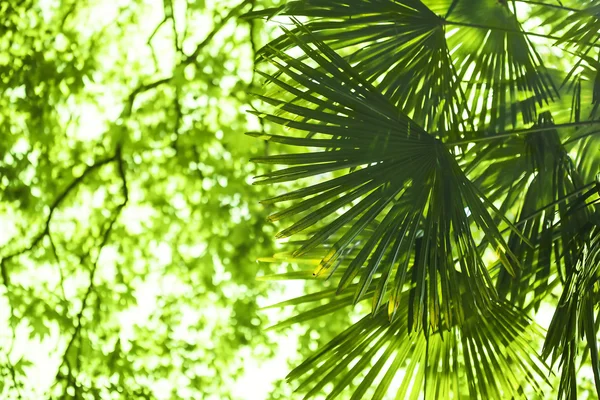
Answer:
x=129 y=230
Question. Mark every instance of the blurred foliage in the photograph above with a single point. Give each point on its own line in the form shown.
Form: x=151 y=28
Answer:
x=129 y=230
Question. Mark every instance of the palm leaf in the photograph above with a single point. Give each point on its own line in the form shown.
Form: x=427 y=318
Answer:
x=402 y=205
x=503 y=73
x=489 y=356
x=544 y=182
x=403 y=181
x=574 y=318
x=398 y=45
x=580 y=29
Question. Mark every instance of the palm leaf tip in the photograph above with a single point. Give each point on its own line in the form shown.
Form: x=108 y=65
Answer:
x=489 y=355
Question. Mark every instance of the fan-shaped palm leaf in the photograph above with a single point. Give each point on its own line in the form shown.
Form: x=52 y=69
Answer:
x=398 y=45
x=402 y=46
x=489 y=355
x=577 y=32
x=404 y=179
x=503 y=73
x=545 y=185
x=574 y=317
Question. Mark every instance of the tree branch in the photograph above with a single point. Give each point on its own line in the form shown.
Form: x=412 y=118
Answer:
x=46 y=229
x=186 y=61
x=149 y=42
x=94 y=268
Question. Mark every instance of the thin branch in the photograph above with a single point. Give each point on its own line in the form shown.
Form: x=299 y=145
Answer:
x=70 y=11
x=170 y=13
x=13 y=338
x=576 y=138
x=178 y=117
x=149 y=42
x=13 y=375
x=156 y=29
x=94 y=268
x=59 y=266
x=127 y=110
x=185 y=32
x=46 y=229
x=550 y=205
x=188 y=60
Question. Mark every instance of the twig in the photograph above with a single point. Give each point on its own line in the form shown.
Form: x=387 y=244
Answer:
x=178 y=117
x=539 y=3
x=66 y=16
x=13 y=375
x=127 y=110
x=170 y=14
x=510 y=30
x=149 y=42
x=186 y=61
x=539 y=211
x=59 y=266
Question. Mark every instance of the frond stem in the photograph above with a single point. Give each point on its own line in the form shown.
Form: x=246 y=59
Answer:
x=556 y=6
x=550 y=205
x=573 y=139
x=497 y=28
x=517 y=132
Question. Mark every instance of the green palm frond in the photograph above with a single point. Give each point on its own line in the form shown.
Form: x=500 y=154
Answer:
x=503 y=73
x=414 y=197
x=544 y=185
x=586 y=145
x=398 y=45
x=574 y=318
x=403 y=181
x=489 y=356
x=404 y=48
x=581 y=28
x=578 y=33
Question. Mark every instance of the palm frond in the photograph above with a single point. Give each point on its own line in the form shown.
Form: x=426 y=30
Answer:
x=574 y=318
x=580 y=29
x=503 y=73
x=404 y=184
x=397 y=45
x=578 y=33
x=489 y=356
x=457 y=232
x=545 y=185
